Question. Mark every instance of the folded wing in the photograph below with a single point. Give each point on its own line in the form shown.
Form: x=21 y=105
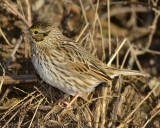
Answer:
x=80 y=61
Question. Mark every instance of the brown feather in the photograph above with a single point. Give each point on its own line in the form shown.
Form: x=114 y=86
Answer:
x=79 y=63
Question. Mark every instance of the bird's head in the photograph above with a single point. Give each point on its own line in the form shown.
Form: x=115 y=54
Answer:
x=40 y=29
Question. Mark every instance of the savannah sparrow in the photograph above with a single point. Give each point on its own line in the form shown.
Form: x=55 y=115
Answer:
x=64 y=64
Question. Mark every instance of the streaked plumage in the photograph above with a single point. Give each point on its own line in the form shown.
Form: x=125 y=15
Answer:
x=64 y=64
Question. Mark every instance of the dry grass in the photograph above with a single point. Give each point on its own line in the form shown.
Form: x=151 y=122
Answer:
x=125 y=34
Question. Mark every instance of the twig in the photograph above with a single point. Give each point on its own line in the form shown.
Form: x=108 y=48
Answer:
x=97 y=114
x=5 y=37
x=4 y=107
x=4 y=126
x=153 y=29
x=19 y=14
x=119 y=10
x=104 y=91
x=117 y=102
x=42 y=94
x=93 y=44
x=95 y=19
x=23 y=105
x=103 y=108
x=134 y=55
x=153 y=52
x=144 y=126
x=20 y=6
x=125 y=57
x=16 y=105
x=87 y=114
x=112 y=58
x=84 y=29
x=2 y=78
x=46 y=108
x=117 y=57
x=14 y=50
x=19 y=79
x=100 y=26
x=109 y=28
x=35 y=112
x=5 y=95
x=103 y=48
x=29 y=18
x=136 y=3
x=140 y=104
x=80 y=1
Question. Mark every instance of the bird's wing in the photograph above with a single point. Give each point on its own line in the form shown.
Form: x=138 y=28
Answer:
x=80 y=61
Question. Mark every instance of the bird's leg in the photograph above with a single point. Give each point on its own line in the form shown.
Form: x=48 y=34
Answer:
x=63 y=101
x=74 y=98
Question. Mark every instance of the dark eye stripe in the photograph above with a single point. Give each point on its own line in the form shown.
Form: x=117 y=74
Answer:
x=40 y=36
x=46 y=34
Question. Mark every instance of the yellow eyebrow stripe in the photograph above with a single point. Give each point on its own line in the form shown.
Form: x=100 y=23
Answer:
x=33 y=29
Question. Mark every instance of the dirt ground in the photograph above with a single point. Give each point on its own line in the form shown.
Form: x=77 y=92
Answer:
x=100 y=26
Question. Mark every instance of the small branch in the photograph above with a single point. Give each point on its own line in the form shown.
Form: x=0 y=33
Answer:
x=97 y=114
x=29 y=16
x=144 y=126
x=104 y=104
x=4 y=37
x=4 y=126
x=112 y=58
x=117 y=101
x=109 y=28
x=20 y=79
x=19 y=14
x=80 y=1
x=153 y=30
x=35 y=112
x=140 y=103
x=2 y=79
x=14 y=50
x=84 y=29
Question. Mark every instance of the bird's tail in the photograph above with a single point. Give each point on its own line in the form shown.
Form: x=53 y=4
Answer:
x=113 y=72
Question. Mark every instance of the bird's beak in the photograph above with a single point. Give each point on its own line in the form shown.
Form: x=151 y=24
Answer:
x=26 y=31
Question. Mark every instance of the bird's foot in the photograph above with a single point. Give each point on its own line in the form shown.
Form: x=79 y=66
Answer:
x=63 y=101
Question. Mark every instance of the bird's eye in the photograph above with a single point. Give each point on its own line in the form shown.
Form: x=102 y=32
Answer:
x=35 y=32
